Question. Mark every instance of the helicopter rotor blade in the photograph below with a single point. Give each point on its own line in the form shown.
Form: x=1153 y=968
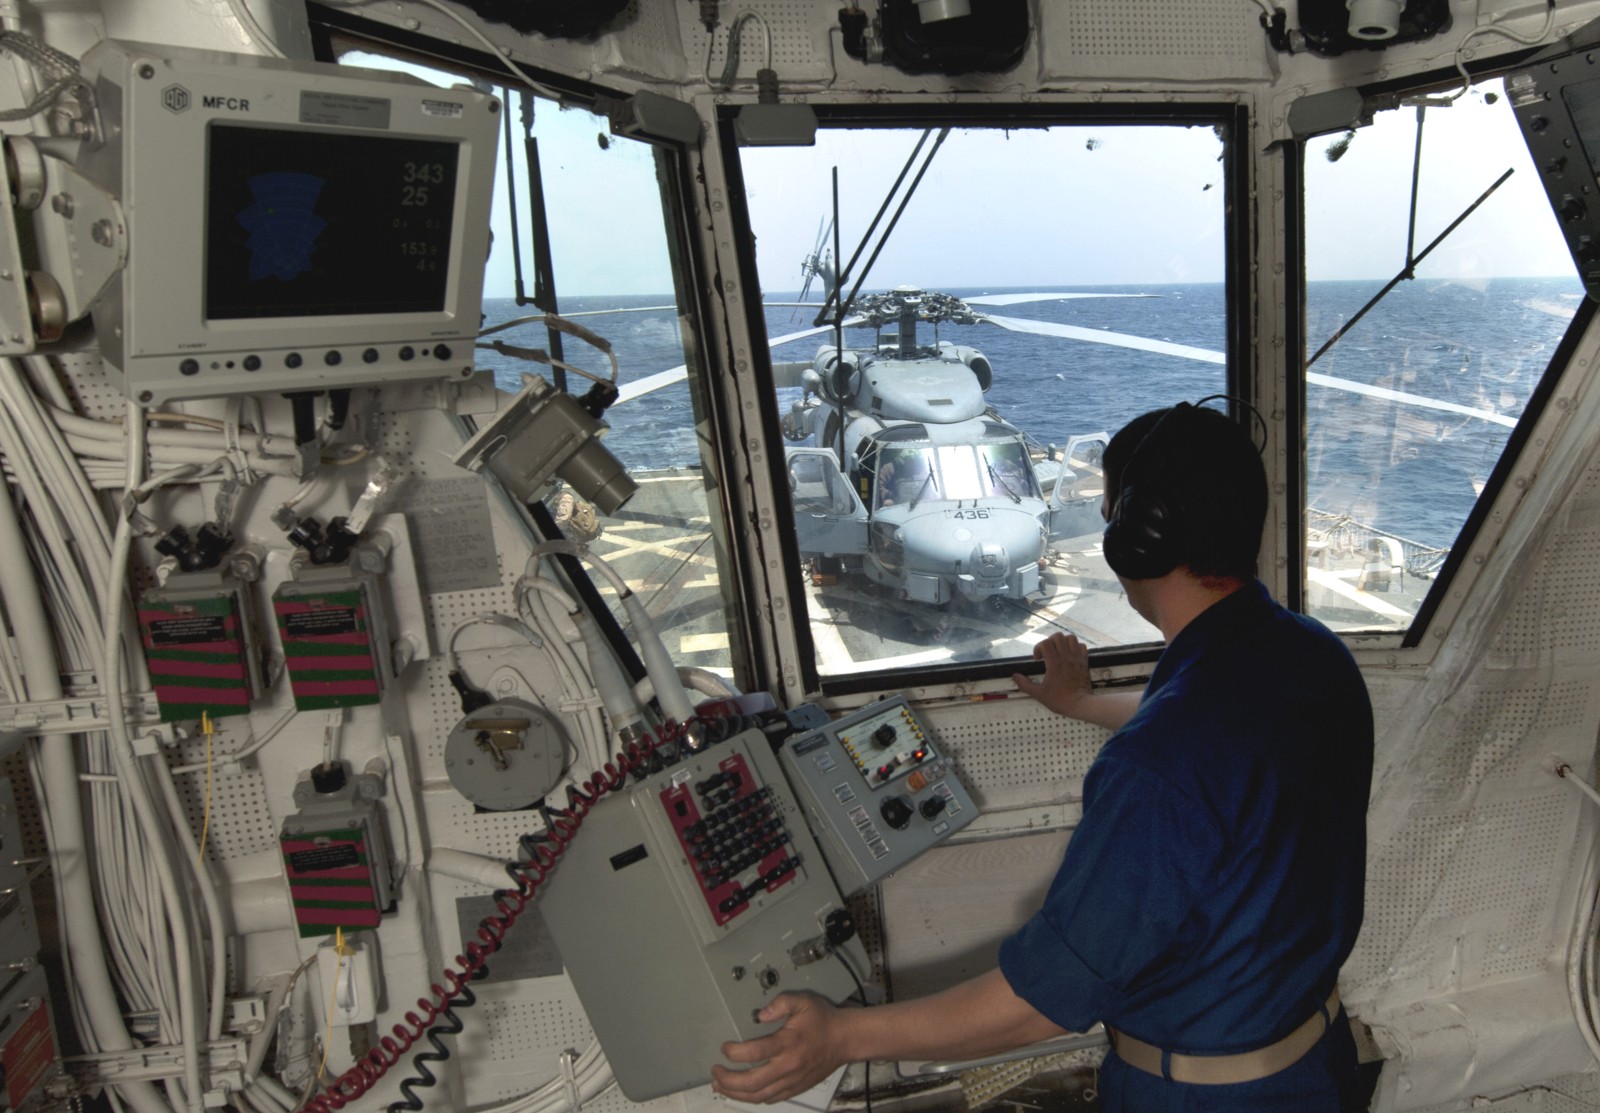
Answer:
x=629 y=309
x=1022 y=299
x=1102 y=336
x=1406 y=398
x=627 y=392
x=1123 y=340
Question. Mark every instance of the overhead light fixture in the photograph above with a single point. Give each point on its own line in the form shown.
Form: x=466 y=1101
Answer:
x=776 y=125
x=650 y=115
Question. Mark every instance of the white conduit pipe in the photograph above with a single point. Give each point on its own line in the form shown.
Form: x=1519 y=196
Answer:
x=657 y=661
x=106 y=451
x=268 y=444
x=208 y=897
x=113 y=609
x=69 y=852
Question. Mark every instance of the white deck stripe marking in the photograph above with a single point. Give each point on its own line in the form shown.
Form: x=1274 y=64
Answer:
x=1336 y=585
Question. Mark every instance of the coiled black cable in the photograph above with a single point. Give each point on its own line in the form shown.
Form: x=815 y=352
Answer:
x=450 y=1025
x=423 y=1078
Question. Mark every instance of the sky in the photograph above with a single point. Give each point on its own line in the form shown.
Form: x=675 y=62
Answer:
x=1067 y=206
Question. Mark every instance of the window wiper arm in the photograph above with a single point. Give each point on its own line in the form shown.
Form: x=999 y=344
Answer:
x=927 y=479
x=995 y=476
x=1410 y=268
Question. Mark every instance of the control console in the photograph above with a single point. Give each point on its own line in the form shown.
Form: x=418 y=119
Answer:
x=686 y=903
x=877 y=789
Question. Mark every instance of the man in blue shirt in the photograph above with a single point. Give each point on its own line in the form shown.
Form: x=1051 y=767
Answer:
x=1213 y=888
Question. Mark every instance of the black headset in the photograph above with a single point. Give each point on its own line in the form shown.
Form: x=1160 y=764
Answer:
x=1144 y=538
x=1145 y=535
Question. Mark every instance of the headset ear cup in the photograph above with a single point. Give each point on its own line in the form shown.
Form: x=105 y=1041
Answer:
x=1139 y=542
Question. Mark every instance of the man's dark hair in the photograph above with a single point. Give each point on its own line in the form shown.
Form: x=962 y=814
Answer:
x=1194 y=473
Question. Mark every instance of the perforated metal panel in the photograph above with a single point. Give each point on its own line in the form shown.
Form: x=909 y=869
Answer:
x=1135 y=38
x=241 y=821
x=95 y=385
x=1564 y=577
x=799 y=40
x=1402 y=877
x=649 y=43
x=1017 y=748
x=516 y=1046
x=519 y=1031
x=1476 y=847
x=15 y=766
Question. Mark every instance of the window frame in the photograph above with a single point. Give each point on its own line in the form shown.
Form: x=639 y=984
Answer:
x=1459 y=571
x=335 y=30
x=1231 y=119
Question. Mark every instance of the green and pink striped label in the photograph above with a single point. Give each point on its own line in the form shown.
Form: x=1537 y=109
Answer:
x=197 y=659
x=327 y=649
x=330 y=881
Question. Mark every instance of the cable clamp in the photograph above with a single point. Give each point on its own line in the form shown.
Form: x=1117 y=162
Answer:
x=569 y=1079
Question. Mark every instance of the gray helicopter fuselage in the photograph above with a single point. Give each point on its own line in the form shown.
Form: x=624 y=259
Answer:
x=964 y=516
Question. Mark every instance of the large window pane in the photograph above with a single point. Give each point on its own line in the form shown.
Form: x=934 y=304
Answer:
x=1042 y=286
x=1409 y=411
x=612 y=274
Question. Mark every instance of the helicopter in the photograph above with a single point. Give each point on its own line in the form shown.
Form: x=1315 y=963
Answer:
x=910 y=478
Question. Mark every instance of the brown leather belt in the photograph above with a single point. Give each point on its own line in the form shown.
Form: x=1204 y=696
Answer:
x=1227 y=1070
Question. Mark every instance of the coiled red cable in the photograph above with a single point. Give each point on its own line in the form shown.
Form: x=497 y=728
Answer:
x=509 y=904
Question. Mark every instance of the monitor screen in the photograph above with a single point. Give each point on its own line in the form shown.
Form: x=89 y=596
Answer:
x=316 y=224
x=288 y=225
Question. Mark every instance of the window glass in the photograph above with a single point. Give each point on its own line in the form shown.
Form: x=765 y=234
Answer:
x=612 y=274
x=1042 y=286
x=1408 y=411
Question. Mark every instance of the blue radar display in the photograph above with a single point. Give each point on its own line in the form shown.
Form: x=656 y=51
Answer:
x=310 y=223
x=283 y=224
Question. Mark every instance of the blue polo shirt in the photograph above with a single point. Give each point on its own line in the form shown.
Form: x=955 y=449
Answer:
x=1214 y=886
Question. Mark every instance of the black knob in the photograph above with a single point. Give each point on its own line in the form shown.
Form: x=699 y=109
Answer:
x=1572 y=209
x=896 y=812
x=931 y=807
x=189 y=367
x=884 y=735
x=328 y=778
x=369 y=355
x=1538 y=123
x=839 y=926
x=252 y=363
x=292 y=359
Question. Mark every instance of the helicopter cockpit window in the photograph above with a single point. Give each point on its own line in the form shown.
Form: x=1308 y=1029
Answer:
x=984 y=355
x=1006 y=471
x=1411 y=397
x=905 y=475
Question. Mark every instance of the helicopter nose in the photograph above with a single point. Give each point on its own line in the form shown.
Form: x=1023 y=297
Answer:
x=995 y=555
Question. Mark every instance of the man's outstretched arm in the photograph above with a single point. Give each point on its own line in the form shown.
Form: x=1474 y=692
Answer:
x=976 y=1018
x=1065 y=687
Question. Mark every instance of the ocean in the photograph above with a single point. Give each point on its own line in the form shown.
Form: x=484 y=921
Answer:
x=1404 y=469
